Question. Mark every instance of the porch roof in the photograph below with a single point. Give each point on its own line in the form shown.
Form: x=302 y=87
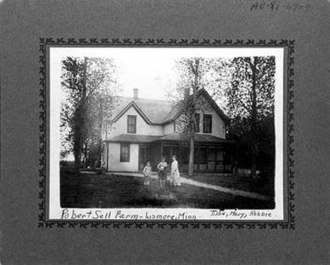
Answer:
x=133 y=138
x=175 y=137
x=205 y=138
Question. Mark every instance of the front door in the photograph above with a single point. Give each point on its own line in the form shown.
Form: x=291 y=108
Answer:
x=143 y=156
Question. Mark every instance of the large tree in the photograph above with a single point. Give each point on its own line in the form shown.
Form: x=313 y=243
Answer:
x=88 y=85
x=192 y=77
x=250 y=99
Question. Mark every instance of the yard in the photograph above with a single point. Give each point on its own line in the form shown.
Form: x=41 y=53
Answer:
x=114 y=191
x=262 y=185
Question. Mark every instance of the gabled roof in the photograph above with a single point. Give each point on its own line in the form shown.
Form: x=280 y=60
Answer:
x=213 y=104
x=138 y=110
x=183 y=104
x=155 y=111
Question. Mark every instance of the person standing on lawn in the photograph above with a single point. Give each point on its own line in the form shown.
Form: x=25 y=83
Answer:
x=175 y=174
x=147 y=173
x=162 y=172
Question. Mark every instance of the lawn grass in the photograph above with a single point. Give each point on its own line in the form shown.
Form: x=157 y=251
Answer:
x=110 y=191
x=261 y=185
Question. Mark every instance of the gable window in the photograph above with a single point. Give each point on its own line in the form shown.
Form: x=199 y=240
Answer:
x=197 y=120
x=124 y=152
x=207 y=123
x=131 y=124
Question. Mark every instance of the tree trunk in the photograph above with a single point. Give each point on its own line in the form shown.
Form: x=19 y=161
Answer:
x=195 y=85
x=254 y=148
x=77 y=160
x=254 y=161
x=101 y=130
x=80 y=122
x=86 y=159
x=191 y=156
x=77 y=151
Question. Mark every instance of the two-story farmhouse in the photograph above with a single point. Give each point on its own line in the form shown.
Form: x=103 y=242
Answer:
x=146 y=129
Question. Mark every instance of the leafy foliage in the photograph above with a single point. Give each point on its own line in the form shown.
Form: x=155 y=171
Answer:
x=193 y=75
x=89 y=86
x=244 y=89
x=240 y=95
x=250 y=103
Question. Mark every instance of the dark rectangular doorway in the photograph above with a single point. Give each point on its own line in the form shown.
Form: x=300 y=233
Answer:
x=143 y=155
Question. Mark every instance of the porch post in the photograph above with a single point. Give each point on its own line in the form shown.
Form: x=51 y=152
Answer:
x=161 y=149
x=107 y=156
x=206 y=158
x=198 y=153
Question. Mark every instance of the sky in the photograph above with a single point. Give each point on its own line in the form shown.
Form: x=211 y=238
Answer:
x=152 y=70
x=153 y=75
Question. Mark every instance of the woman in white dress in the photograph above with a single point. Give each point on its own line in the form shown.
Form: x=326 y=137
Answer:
x=175 y=174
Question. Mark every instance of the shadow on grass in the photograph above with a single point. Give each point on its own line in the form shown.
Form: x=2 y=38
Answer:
x=263 y=185
x=109 y=191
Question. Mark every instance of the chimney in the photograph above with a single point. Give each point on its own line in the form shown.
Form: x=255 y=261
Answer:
x=186 y=93
x=135 y=93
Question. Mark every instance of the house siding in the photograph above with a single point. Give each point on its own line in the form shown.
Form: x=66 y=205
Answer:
x=142 y=128
x=218 y=125
x=114 y=158
x=154 y=150
x=169 y=128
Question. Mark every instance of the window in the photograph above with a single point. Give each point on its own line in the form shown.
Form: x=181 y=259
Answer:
x=211 y=154
x=219 y=155
x=124 y=152
x=197 y=120
x=185 y=155
x=200 y=155
x=207 y=123
x=131 y=124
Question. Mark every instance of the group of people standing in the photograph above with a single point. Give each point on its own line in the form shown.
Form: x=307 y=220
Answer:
x=162 y=173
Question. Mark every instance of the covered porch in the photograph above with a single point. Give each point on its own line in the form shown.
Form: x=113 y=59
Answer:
x=211 y=154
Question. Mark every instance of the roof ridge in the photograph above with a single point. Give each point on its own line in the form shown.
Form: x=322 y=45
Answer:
x=161 y=111
x=151 y=99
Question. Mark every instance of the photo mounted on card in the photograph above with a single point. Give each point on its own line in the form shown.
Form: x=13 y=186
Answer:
x=166 y=132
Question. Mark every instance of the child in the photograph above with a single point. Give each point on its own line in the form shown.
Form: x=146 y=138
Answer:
x=162 y=172
x=146 y=174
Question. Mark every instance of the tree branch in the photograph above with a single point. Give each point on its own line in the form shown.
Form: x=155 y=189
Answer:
x=96 y=87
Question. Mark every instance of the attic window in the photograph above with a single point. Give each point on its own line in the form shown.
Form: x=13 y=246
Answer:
x=131 y=124
x=207 y=123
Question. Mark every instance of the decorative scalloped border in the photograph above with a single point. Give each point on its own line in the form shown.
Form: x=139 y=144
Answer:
x=125 y=42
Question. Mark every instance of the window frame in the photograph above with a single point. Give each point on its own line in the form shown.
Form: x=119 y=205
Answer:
x=204 y=123
x=197 y=121
x=122 y=158
x=129 y=125
x=200 y=155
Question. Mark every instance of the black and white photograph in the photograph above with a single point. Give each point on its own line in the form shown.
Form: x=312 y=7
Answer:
x=166 y=133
